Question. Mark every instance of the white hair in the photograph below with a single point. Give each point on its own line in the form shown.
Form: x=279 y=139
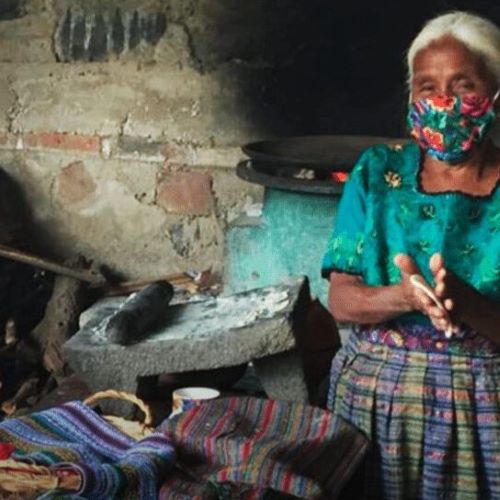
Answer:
x=479 y=35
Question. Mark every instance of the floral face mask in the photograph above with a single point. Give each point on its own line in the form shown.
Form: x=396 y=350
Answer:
x=448 y=127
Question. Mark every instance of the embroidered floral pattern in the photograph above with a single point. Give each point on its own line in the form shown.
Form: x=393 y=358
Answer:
x=346 y=252
x=468 y=249
x=474 y=214
x=405 y=215
x=489 y=270
x=424 y=246
x=392 y=179
x=428 y=211
x=495 y=223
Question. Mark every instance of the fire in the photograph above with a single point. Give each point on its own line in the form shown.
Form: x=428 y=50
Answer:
x=339 y=176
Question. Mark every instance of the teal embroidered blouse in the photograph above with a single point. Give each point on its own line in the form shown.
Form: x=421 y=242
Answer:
x=384 y=211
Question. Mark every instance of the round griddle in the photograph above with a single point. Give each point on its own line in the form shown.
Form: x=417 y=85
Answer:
x=333 y=152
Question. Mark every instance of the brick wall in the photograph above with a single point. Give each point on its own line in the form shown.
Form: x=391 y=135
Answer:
x=125 y=145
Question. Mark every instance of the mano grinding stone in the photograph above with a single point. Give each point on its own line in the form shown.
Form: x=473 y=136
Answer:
x=139 y=313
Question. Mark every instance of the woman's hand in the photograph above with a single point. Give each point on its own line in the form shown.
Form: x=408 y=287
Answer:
x=416 y=299
x=464 y=303
x=452 y=291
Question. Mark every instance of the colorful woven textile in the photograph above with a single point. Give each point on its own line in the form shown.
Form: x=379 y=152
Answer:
x=427 y=339
x=434 y=418
x=257 y=448
x=112 y=465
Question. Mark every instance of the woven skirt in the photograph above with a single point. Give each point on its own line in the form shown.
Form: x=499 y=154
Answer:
x=433 y=419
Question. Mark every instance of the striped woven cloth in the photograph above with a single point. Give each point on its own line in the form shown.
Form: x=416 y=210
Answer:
x=72 y=436
x=433 y=418
x=257 y=448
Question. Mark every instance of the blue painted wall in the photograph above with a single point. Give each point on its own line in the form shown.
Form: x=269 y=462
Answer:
x=289 y=241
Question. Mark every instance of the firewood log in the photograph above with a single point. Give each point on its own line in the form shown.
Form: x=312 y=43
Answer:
x=59 y=323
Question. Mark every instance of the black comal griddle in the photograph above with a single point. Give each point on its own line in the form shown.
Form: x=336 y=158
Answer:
x=278 y=163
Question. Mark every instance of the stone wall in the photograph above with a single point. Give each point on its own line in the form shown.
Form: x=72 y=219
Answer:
x=123 y=126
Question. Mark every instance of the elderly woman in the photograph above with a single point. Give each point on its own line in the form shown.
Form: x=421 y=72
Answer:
x=414 y=264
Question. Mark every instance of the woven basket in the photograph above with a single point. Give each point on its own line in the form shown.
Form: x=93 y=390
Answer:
x=20 y=477
x=133 y=429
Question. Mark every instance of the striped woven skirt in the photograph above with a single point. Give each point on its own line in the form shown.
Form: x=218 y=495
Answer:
x=433 y=419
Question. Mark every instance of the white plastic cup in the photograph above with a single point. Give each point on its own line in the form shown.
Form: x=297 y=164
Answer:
x=186 y=398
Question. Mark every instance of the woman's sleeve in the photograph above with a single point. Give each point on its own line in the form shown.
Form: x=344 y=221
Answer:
x=345 y=246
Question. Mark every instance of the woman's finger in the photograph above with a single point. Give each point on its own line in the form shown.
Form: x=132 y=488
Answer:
x=422 y=299
x=441 y=274
x=405 y=264
x=436 y=312
x=436 y=262
x=441 y=324
x=440 y=289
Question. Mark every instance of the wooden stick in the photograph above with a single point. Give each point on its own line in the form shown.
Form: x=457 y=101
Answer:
x=172 y=278
x=43 y=263
x=97 y=281
x=181 y=280
x=128 y=287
